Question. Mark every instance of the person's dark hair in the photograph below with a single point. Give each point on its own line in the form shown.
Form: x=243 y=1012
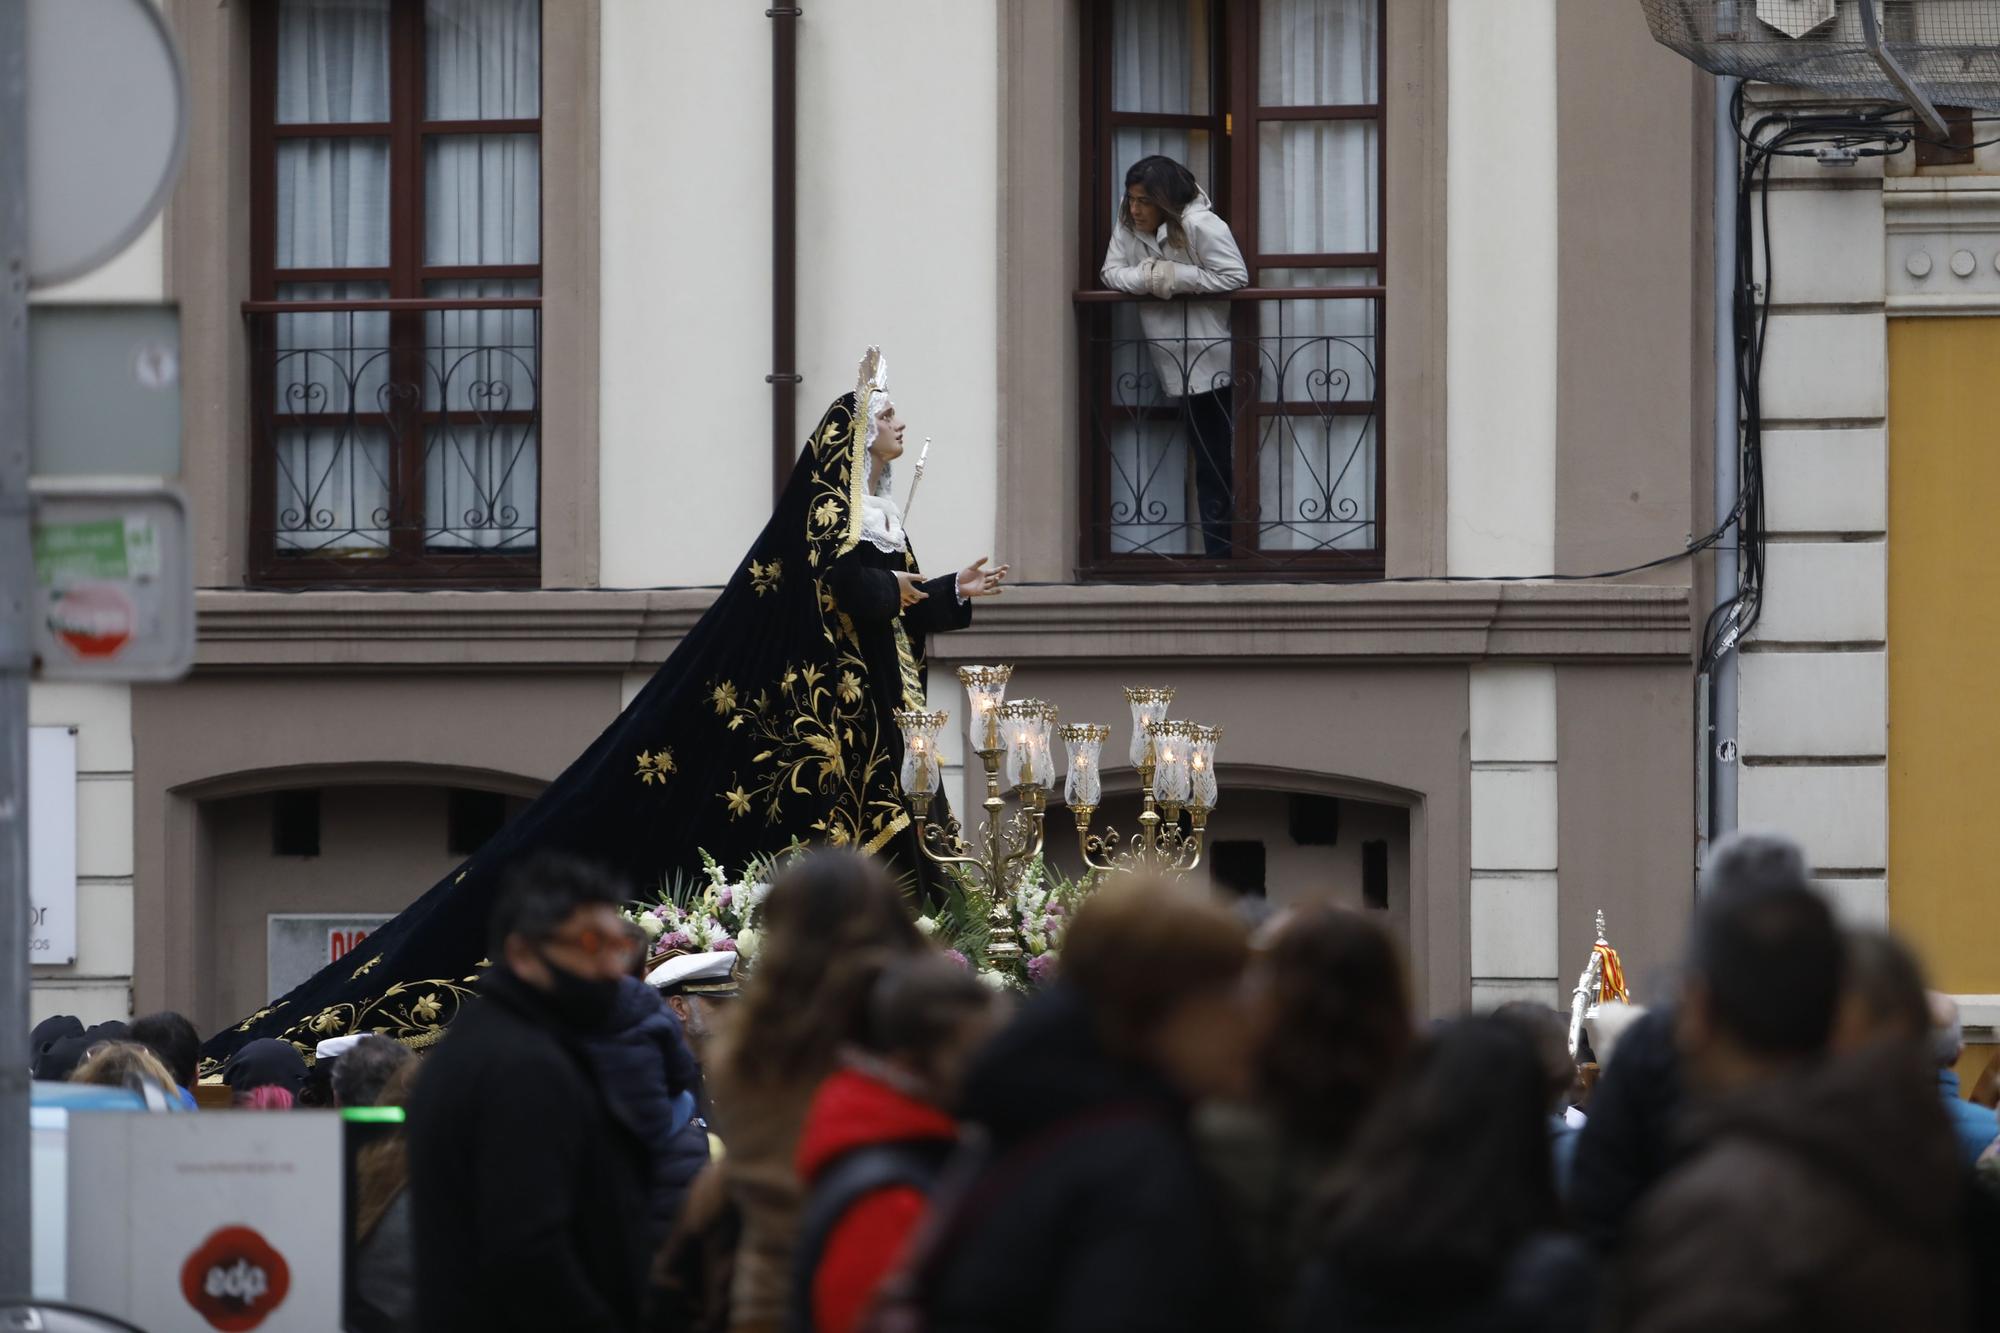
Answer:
x=382 y=1168
x=641 y=945
x=831 y=923
x=918 y=1004
x=1769 y=962
x=1451 y=1170
x=1342 y=1021
x=174 y=1040
x=266 y=1063
x=542 y=892
x=1140 y=946
x=364 y=1069
x=1885 y=980
x=1169 y=184
x=1754 y=862
x=1548 y=1029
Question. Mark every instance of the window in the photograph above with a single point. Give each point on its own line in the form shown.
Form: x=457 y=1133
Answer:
x=1276 y=106
x=395 y=319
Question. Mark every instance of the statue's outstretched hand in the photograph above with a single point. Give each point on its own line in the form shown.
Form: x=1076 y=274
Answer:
x=975 y=580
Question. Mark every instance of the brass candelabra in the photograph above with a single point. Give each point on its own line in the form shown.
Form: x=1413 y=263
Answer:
x=1175 y=761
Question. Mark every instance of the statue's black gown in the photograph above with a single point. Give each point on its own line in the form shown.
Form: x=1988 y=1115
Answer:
x=770 y=723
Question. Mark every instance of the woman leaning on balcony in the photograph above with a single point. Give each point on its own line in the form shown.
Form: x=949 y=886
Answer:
x=1169 y=243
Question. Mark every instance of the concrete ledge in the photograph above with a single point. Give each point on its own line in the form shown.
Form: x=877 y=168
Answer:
x=636 y=629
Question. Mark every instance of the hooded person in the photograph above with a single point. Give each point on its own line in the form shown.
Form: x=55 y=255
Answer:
x=266 y=1063
x=770 y=724
x=47 y=1033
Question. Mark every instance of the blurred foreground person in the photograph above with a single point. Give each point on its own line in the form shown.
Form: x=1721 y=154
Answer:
x=879 y=1133
x=1335 y=1014
x=832 y=923
x=528 y=1184
x=1094 y=1211
x=385 y=1282
x=1823 y=1193
x=1444 y=1219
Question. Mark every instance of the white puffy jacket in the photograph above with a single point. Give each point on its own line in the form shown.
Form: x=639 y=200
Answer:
x=1189 y=339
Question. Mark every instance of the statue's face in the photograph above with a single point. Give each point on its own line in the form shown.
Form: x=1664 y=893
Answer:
x=888 y=443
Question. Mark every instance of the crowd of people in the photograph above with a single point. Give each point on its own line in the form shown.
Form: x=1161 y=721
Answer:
x=1210 y=1120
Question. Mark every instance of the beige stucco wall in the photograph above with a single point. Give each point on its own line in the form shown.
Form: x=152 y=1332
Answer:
x=898 y=187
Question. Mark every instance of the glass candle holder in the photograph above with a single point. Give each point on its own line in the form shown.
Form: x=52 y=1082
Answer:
x=1202 y=785
x=1149 y=705
x=1083 y=785
x=1171 y=768
x=922 y=774
x=985 y=693
x=1044 y=733
x=1017 y=719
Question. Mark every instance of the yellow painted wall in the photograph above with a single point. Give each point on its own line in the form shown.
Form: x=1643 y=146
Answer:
x=1944 y=646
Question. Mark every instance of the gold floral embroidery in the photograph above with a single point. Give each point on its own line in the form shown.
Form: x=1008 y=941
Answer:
x=655 y=767
x=369 y=966
x=764 y=578
x=259 y=1016
x=739 y=800
x=724 y=698
x=850 y=687
x=427 y=1009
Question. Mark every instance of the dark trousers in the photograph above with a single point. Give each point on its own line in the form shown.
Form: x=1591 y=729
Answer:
x=1210 y=437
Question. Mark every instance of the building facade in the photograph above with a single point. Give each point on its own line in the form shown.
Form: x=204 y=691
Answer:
x=478 y=299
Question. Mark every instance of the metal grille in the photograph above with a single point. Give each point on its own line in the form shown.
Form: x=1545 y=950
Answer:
x=1949 y=48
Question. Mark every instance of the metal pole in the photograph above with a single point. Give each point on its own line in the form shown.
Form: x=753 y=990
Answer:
x=1721 y=749
x=784 y=377
x=16 y=580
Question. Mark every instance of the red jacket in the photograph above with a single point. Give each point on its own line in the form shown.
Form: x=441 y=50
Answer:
x=853 y=1110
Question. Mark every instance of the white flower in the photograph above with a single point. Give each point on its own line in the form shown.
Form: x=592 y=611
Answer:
x=1037 y=943
x=993 y=979
x=927 y=925
x=652 y=925
x=757 y=892
x=746 y=944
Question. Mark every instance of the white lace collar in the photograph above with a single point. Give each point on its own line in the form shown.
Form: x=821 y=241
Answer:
x=882 y=524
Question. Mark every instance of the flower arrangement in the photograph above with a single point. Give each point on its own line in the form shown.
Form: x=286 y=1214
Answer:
x=710 y=914
x=1038 y=909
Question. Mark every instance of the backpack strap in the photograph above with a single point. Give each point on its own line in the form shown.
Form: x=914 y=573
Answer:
x=850 y=1178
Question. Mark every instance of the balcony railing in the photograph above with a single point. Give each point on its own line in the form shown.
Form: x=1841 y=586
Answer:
x=396 y=441
x=1242 y=446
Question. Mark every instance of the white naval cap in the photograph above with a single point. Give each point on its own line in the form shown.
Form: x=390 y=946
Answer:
x=698 y=972
x=335 y=1047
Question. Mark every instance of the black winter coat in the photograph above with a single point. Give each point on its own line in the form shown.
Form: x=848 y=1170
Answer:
x=1094 y=1212
x=528 y=1186
x=1631 y=1135
x=1549 y=1286
x=643 y=1063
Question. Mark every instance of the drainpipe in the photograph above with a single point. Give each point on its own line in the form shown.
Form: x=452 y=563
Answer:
x=1720 y=763
x=784 y=377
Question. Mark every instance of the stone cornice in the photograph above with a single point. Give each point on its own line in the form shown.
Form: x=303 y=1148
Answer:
x=1943 y=245
x=634 y=630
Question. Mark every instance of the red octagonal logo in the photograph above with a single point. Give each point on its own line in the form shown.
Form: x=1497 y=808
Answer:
x=235 y=1279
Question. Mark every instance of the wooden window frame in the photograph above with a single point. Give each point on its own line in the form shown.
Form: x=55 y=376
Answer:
x=1234 y=118
x=408 y=276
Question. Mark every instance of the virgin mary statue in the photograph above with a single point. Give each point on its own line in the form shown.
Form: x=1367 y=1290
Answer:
x=771 y=723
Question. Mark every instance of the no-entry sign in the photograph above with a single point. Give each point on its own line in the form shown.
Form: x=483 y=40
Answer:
x=114 y=596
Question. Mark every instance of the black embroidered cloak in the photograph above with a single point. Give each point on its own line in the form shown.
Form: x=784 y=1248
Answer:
x=770 y=723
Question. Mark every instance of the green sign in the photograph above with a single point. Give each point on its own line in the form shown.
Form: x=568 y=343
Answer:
x=108 y=548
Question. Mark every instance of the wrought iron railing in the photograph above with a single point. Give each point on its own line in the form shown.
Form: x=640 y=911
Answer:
x=1238 y=437
x=396 y=440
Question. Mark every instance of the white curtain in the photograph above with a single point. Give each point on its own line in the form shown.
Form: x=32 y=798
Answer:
x=332 y=480
x=1316 y=471
x=482 y=205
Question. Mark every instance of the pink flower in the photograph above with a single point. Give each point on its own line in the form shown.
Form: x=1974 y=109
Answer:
x=959 y=958
x=723 y=946
x=1042 y=969
x=675 y=939
x=725 y=898
x=660 y=913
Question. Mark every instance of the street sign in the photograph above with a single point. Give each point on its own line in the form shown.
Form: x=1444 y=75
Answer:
x=114 y=591
x=104 y=392
x=51 y=845
x=106 y=129
x=298 y=944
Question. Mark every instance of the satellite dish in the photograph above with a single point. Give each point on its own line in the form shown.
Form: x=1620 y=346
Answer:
x=106 y=128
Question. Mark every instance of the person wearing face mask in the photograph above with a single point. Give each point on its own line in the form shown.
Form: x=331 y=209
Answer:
x=528 y=1181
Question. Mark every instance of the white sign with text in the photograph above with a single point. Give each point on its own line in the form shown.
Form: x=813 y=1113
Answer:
x=51 y=845
x=298 y=944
